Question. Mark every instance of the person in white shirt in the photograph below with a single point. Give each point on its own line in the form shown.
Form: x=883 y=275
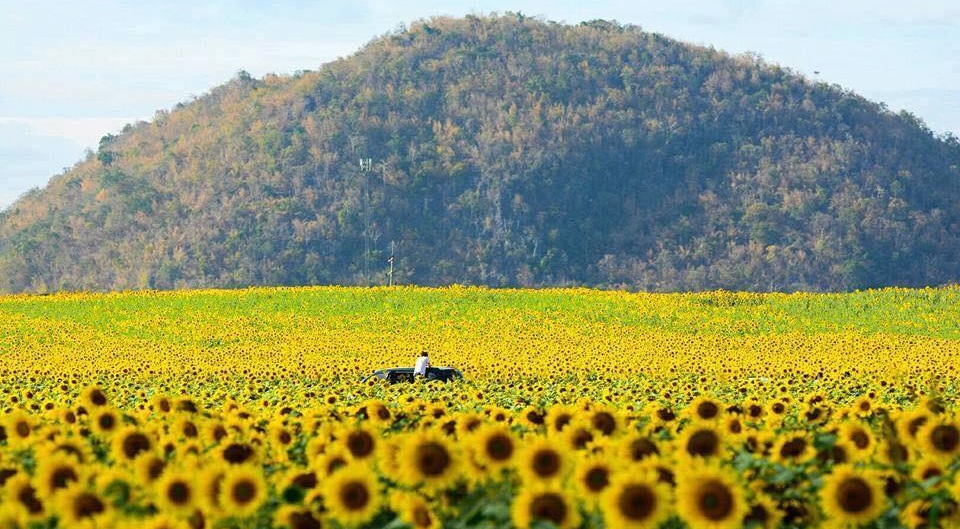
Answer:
x=423 y=362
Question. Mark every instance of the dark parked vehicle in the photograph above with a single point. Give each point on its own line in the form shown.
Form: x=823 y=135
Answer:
x=405 y=374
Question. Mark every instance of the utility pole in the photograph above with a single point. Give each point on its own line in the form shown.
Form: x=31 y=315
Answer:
x=366 y=164
x=390 y=273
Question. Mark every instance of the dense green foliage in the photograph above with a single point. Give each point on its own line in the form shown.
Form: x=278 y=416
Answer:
x=506 y=151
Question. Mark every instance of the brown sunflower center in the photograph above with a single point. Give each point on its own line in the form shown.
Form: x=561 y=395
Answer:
x=794 y=447
x=62 y=476
x=134 y=444
x=549 y=506
x=87 y=505
x=306 y=481
x=499 y=447
x=754 y=410
x=383 y=414
x=854 y=495
x=421 y=517
x=433 y=459
x=98 y=398
x=535 y=417
x=715 y=501
x=360 y=444
x=303 y=520
x=107 y=421
x=335 y=463
x=914 y=426
x=546 y=463
x=178 y=493
x=219 y=432
x=243 y=492
x=860 y=439
x=604 y=422
x=27 y=496
x=355 y=495
x=641 y=448
x=707 y=410
x=597 y=478
x=237 y=453
x=637 y=502
x=703 y=443
x=155 y=468
x=190 y=429
x=562 y=421
x=945 y=437
x=581 y=438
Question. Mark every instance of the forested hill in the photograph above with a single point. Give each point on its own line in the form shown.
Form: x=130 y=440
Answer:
x=505 y=151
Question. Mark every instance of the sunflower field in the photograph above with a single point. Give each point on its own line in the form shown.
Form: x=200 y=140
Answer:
x=580 y=409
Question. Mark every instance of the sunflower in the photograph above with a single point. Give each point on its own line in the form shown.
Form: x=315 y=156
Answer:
x=708 y=497
x=237 y=453
x=533 y=417
x=467 y=423
x=242 y=490
x=72 y=447
x=351 y=494
x=105 y=420
x=79 y=507
x=793 y=448
x=427 y=458
x=859 y=436
x=295 y=517
x=704 y=408
x=130 y=442
x=149 y=467
x=20 y=491
x=544 y=502
x=636 y=447
x=910 y=422
x=55 y=473
x=184 y=426
x=592 y=475
x=605 y=420
x=929 y=471
x=210 y=484
x=920 y=514
x=851 y=497
x=494 y=446
x=93 y=397
x=558 y=417
x=176 y=492
x=360 y=442
x=776 y=411
x=20 y=429
x=414 y=510
x=542 y=460
x=940 y=438
x=863 y=406
x=763 y=513
x=335 y=458
x=701 y=439
x=578 y=435
x=636 y=500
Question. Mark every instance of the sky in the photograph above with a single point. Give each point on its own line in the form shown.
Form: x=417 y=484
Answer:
x=75 y=71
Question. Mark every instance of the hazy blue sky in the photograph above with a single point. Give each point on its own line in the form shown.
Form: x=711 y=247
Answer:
x=74 y=71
